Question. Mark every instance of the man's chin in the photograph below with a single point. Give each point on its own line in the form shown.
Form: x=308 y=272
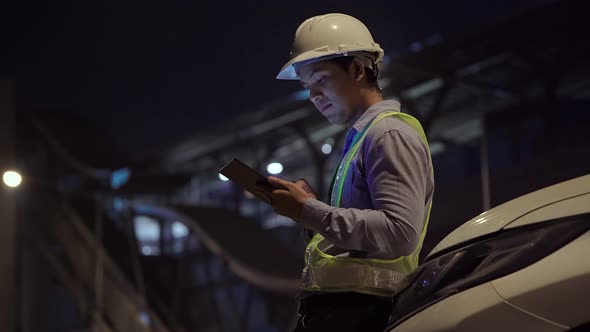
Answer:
x=336 y=120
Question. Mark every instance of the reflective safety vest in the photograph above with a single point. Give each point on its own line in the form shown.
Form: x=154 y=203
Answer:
x=326 y=273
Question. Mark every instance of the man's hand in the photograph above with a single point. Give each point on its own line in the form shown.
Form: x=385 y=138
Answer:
x=305 y=186
x=287 y=198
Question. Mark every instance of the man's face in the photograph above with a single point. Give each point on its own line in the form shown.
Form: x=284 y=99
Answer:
x=332 y=90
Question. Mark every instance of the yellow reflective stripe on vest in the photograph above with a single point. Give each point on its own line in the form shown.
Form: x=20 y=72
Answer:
x=326 y=273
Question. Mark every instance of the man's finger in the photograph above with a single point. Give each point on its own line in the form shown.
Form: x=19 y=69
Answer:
x=304 y=185
x=280 y=192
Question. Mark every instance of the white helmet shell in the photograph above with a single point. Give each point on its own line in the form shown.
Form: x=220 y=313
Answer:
x=328 y=36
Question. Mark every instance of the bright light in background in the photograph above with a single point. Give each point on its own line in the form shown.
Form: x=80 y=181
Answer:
x=326 y=148
x=146 y=250
x=120 y=177
x=274 y=168
x=437 y=147
x=12 y=179
x=222 y=177
x=147 y=228
x=144 y=317
x=179 y=229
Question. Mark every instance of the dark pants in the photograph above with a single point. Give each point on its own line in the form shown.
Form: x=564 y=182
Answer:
x=343 y=312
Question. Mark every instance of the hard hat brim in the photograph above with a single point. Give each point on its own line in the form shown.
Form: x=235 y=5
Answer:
x=288 y=71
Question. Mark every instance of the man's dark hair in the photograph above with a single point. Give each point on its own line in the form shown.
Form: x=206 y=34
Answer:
x=345 y=62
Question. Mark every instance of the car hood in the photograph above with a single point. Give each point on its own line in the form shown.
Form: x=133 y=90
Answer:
x=501 y=216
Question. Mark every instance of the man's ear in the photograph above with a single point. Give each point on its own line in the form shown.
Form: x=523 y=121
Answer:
x=358 y=70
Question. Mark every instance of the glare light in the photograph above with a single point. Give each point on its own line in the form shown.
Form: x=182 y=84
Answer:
x=437 y=147
x=12 y=179
x=326 y=148
x=222 y=177
x=120 y=177
x=147 y=229
x=146 y=250
x=274 y=168
x=179 y=229
x=144 y=317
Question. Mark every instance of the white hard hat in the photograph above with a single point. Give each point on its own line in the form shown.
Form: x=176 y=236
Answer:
x=329 y=36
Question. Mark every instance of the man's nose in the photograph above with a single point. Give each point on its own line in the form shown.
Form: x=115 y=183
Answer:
x=314 y=94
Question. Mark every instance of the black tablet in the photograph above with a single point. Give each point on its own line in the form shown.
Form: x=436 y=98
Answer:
x=245 y=177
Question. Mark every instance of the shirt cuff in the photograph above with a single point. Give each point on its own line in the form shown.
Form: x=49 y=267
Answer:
x=313 y=214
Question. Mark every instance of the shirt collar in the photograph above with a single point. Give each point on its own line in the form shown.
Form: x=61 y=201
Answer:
x=366 y=117
x=373 y=111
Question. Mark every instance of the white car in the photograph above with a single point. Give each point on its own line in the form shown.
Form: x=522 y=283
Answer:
x=522 y=266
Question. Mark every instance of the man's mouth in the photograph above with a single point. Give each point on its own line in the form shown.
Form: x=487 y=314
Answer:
x=325 y=107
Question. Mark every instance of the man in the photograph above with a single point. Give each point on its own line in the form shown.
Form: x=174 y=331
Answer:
x=369 y=236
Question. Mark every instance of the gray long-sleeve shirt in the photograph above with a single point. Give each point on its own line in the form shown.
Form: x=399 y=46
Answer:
x=386 y=193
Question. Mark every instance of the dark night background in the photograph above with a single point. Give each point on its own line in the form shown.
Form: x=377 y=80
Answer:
x=153 y=72
x=126 y=110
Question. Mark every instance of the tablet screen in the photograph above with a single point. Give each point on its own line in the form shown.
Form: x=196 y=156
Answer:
x=245 y=177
